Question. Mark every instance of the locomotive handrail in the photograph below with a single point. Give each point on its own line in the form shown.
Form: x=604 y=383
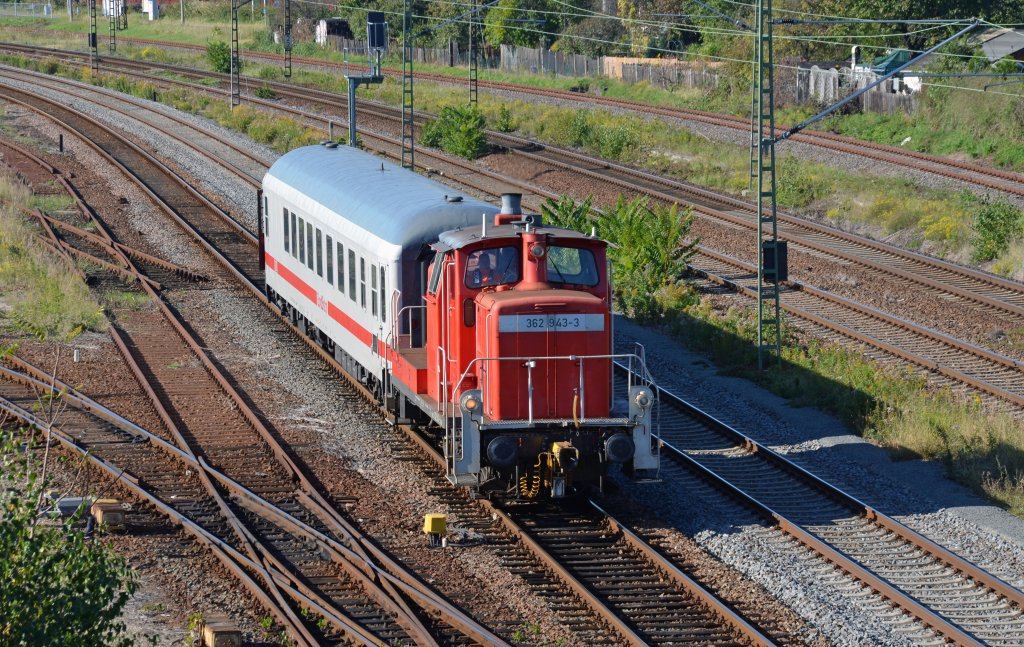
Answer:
x=397 y=331
x=642 y=373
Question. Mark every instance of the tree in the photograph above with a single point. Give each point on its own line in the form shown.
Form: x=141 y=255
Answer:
x=57 y=587
x=527 y=23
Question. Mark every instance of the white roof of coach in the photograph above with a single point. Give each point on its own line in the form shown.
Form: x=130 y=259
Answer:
x=381 y=198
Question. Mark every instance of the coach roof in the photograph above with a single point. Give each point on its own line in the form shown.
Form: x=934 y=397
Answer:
x=379 y=197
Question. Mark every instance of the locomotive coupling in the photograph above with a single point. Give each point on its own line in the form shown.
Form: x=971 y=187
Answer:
x=564 y=456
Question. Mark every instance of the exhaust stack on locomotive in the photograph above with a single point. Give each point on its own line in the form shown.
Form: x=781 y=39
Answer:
x=499 y=335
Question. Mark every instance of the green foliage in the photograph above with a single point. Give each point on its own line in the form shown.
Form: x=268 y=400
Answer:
x=505 y=123
x=995 y=225
x=56 y=586
x=218 y=55
x=504 y=23
x=648 y=250
x=41 y=294
x=265 y=92
x=458 y=130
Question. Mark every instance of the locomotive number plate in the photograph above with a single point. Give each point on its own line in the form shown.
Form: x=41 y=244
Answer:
x=556 y=322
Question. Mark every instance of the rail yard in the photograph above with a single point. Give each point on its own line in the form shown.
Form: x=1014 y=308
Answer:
x=438 y=428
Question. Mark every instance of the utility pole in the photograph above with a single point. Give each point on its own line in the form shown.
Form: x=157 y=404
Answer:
x=235 y=92
x=124 y=14
x=474 y=71
x=408 y=127
x=287 y=38
x=112 y=22
x=181 y=4
x=771 y=254
x=94 y=54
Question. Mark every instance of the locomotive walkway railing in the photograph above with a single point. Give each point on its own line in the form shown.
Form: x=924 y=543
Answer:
x=638 y=375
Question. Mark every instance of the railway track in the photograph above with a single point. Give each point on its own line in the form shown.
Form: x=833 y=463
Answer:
x=976 y=289
x=989 y=373
x=963 y=171
x=331 y=568
x=173 y=378
x=556 y=533
x=953 y=597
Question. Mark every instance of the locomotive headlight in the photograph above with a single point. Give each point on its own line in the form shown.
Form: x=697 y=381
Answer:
x=643 y=399
x=537 y=250
x=470 y=402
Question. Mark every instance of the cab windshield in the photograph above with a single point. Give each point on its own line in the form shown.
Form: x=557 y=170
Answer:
x=572 y=266
x=492 y=266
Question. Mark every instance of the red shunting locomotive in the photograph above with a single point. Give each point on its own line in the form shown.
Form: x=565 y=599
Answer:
x=486 y=326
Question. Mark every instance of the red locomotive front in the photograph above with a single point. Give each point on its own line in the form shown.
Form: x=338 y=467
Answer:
x=519 y=362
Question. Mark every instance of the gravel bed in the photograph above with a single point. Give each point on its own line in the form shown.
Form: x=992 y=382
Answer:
x=915 y=492
x=946 y=512
x=239 y=197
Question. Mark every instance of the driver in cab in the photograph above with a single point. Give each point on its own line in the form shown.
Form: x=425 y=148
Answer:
x=485 y=274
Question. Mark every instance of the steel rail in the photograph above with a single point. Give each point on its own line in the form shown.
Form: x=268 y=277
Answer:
x=319 y=506
x=894 y=350
x=777 y=461
x=975 y=382
x=972 y=276
x=871 y=150
x=42 y=381
x=234 y=560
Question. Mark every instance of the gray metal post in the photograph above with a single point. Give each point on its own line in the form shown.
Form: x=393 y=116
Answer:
x=352 y=83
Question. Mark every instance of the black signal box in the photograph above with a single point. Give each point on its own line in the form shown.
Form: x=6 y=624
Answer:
x=769 y=249
x=376 y=30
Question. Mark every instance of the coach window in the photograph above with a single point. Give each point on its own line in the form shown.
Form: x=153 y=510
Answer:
x=309 y=245
x=341 y=268
x=284 y=228
x=352 y=275
x=302 y=240
x=329 y=244
x=494 y=266
x=362 y=282
x=295 y=251
x=373 y=289
x=572 y=266
x=383 y=294
x=319 y=253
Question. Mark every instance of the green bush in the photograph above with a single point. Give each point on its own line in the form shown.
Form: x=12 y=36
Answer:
x=265 y=92
x=218 y=54
x=458 y=130
x=505 y=123
x=648 y=250
x=580 y=130
x=57 y=587
x=995 y=226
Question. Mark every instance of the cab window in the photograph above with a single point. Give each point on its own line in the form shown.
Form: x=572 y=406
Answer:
x=493 y=266
x=572 y=266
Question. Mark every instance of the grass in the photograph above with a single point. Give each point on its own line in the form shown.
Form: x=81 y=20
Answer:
x=125 y=299
x=891 y=406
x=39 y=294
